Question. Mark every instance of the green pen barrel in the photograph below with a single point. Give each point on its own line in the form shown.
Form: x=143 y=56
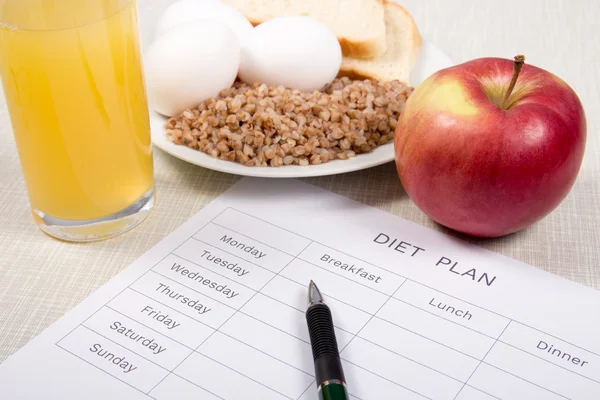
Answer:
x=333 y=391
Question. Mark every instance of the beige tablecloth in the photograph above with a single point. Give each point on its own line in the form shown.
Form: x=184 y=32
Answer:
x=41 y=278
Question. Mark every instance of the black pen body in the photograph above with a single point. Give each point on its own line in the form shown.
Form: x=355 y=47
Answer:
x=328 y=367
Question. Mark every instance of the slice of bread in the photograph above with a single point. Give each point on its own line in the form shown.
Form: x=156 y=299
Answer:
x=358 y=24
x=403 y=45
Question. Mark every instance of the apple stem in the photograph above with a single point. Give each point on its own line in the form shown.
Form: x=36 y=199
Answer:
x=517 y=67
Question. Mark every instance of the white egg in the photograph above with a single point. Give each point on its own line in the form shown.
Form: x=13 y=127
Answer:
x=191 y=64
x=296 y=52
x=185 y=11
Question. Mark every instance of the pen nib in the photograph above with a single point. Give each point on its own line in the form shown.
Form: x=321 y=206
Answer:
x=314 y=295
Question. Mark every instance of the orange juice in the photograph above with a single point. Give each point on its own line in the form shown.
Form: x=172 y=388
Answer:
x=73 y=82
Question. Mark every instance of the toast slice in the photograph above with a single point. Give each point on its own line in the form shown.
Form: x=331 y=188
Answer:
x=403 y=43
x=358 y=24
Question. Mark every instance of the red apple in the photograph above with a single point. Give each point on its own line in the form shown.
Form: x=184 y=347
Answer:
x=489 y=147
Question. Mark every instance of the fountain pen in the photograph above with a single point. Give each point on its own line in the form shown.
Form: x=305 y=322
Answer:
x=331 y=383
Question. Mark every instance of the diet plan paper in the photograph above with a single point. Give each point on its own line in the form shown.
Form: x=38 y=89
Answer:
x=216 y=311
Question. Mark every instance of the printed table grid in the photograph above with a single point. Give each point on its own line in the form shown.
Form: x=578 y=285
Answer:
x=386 y=311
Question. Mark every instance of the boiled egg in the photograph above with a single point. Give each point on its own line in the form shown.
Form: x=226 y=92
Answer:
x=185 y=11
x=191 y=64
x=295 y=52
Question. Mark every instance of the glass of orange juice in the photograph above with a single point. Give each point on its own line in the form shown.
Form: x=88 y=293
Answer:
x=72 y=76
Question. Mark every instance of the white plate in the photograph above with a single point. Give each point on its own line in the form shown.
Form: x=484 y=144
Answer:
x=431 y=59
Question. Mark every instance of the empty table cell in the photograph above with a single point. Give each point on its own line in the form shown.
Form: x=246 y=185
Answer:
x=400 y=370
x=267 y=339
x=175 y=387
x=552 y=349
x=285 y=318
x=183 y=299
x=138 y=338
x=366 y=385
x=161 y=318
x=504 y=386
x=359 y=271
x=336 y=286
x=223 y=381
x=256 y=365
x=436 y=328
x=420 y=349
x=203 y=281
x=543 y=373
x=295 y=295
x=470 y=393
x=312 y=393
x=113 y=359
x=452 y=309
x=224 y=263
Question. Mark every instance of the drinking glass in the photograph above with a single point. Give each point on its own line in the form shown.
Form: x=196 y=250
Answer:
x=72 y=76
